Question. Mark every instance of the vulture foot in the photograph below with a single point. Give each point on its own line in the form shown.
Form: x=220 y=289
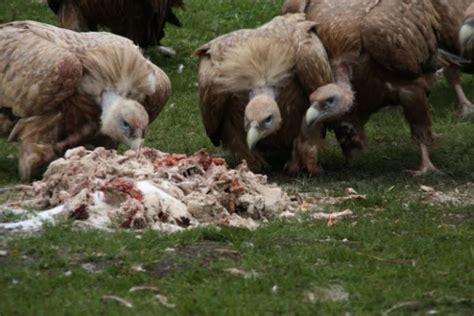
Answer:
x=33 y=156
x=294 y=168
x=256 y=163
x=427 y=166
x=464 y=110
x=304 y=157
x=424 y=170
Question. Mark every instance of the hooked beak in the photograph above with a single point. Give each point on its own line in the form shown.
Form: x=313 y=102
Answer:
x=253 y=136
x=136 y=144
x=313 y=115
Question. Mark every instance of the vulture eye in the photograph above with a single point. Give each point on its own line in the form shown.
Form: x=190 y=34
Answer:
x=267 y=123
x=125 y=125
x=330 y=103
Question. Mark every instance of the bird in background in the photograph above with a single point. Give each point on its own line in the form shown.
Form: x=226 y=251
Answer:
x=142 y=21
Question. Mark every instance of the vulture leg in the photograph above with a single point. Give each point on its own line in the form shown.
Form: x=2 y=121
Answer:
x=32 y=156
x=6 y=125
x=463 y=106
x=414 y=101
x=71 y=17
x=305 y=151
x=350 y=134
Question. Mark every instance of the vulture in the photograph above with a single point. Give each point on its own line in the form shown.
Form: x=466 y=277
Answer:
x=466 y=34
x=268 y=90
x=453 y=36
x=142 y=21
x=60 y=89
x=386 y=52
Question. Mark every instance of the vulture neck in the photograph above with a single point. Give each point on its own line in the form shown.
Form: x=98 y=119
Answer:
x=342 y=73
x=268 y=91
x=109 y=102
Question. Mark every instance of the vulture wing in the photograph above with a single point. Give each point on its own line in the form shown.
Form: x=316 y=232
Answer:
x=155 y=102
x=401 y=35
x=213 y=98
x=312 y=63
x=339 y=22
x=36 y=75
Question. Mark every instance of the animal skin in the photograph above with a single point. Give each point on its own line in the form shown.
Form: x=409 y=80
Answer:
x=142 y=21
x=60 y=89
x=256 y=86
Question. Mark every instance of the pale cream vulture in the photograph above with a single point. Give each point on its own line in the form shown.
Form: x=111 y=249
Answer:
x=142 y=21
x=386 y=51
x=451 y=38
x=59 y=89
x=256 y=86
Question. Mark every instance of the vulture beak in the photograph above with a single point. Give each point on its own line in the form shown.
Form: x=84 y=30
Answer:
x=253 y=136
x=136 y=144
x=313 y=115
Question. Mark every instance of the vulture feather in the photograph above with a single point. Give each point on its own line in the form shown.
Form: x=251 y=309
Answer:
x=60 y=88
x=256 y=86
x=386 y=52
x=452 y=37
x=142 y=21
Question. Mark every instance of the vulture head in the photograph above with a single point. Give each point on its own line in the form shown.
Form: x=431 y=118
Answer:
x=124 y=121
x=328 y=102
x=262 y=118
x=466 y=34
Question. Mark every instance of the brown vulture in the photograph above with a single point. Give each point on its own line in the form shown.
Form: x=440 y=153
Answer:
x=450 y=41
x=60 y=88
x=256 y=85
x=142 y=21
x=386 y=50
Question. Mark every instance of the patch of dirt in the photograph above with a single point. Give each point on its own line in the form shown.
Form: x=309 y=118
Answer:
x=202 y=253
x=459 y=218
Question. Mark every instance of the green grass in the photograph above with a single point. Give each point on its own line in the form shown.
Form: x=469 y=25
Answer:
x=399 y=248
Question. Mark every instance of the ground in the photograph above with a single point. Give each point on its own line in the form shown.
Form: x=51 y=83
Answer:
x=404 y=252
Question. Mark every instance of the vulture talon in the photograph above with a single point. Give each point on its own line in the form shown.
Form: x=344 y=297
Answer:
x=424 y=171
x=465 y=111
